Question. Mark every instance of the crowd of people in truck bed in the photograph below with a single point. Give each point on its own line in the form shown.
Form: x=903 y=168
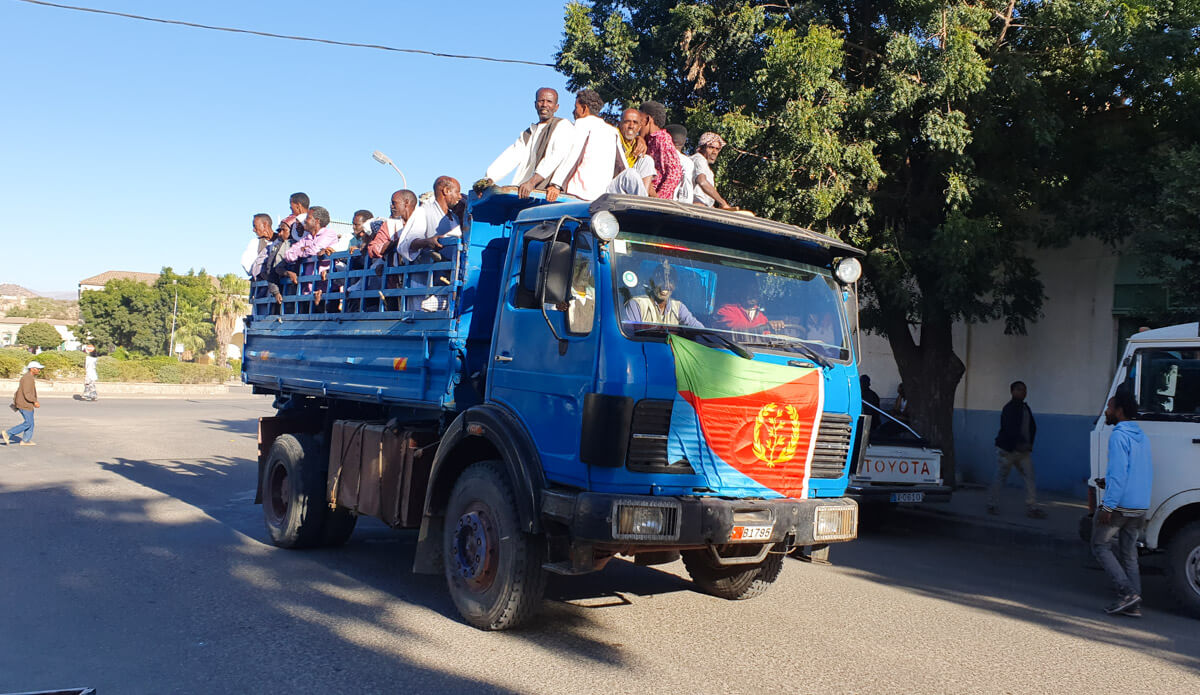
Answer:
x=641 y=155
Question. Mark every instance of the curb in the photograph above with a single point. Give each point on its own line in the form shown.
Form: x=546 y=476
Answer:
x=996 y=533
x=113 y=389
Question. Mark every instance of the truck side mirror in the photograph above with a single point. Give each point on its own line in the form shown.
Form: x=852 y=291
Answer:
x=554 y=281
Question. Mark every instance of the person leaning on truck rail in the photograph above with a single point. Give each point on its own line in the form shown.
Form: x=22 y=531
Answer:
x=679 y=134
x=1014 y=449
x=589 y=166
x=433 y=221
x=1122 y=512
x=25 y=401
x=661 y=149
x=312 y=252
x=260 y=226
x=538 y=151
x=708 y=148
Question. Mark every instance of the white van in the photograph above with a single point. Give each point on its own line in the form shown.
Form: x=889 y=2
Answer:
x=1162 y=367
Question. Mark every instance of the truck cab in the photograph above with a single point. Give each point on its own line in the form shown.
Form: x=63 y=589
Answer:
x=1162 y=369
x=627 y=376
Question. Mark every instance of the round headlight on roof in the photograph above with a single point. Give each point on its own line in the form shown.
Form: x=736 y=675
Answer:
x=848 y=271
x=605 y=225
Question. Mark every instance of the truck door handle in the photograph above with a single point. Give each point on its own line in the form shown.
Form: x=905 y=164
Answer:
x=503 y=358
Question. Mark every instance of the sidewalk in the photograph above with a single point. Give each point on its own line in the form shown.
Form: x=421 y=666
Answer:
x=965 y=517
x=63 y=388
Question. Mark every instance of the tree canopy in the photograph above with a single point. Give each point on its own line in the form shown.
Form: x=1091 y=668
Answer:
x=39 y=335
x=946 y=138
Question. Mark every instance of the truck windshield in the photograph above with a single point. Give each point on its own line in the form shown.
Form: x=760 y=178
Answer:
x=665 y=285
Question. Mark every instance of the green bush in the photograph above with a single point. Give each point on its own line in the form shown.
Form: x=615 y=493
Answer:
x=121 y=354
x=162 y=370
x=235 y=365
x=58 y=366
x=10 y=366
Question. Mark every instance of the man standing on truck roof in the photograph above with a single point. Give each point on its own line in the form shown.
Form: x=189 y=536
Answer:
x=539 y=150
x=1014 y=449
x=708 y=148
x=433 y=221
x=679 y=134
x=657 y=307
x=660 y=147
x=588 y=167
x=1122 y=513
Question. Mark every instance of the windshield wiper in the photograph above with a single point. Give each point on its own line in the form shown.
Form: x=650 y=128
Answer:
x=803 y=347
x=691 y=331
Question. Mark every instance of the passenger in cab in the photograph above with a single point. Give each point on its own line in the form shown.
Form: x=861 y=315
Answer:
x=657 y=306
x=708 y=148
x=679 y=134
x=588 y=168
x=313 y=250
x=661 y=149
x=538 y=151
x=434 y=221
x=746 y=316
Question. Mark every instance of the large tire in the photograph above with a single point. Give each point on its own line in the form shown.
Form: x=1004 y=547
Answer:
x=493 y=569
x=1183 y=567
x=734 y=582
x=294 y=508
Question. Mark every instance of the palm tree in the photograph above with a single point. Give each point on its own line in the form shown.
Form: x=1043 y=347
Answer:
x=192 y=332
x=229 y=303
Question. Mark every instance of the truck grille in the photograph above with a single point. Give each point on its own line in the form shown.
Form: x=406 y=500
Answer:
x=648 y=439
x=833 y=446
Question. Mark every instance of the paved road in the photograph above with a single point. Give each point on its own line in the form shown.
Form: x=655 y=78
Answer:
x=134 y=561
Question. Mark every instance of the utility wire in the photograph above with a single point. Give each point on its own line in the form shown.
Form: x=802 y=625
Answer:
x=331 y=42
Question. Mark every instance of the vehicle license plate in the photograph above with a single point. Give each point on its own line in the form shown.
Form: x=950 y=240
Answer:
x=908 y=496
x=751 y=533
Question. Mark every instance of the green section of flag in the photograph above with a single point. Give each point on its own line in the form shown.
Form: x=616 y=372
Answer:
x=710 y=373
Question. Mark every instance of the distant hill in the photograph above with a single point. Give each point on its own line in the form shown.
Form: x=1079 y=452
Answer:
x=10 y=290
x=21 y=302
x=59 y=294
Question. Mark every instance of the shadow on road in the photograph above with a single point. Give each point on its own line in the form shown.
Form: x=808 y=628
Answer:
x=1055 y=592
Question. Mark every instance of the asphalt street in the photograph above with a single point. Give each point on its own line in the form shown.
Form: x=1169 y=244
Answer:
x=133 y=560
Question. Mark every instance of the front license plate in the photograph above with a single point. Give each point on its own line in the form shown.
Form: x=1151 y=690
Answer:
x=908 y=496
x=751 y=533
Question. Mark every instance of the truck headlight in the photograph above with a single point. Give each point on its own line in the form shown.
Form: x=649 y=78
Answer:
x=651 y=521
x=848 y=271
x=605 y=225
x=835 y=523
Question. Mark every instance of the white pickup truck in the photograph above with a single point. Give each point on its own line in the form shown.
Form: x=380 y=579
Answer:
x=1162 y=366
x=898 y=466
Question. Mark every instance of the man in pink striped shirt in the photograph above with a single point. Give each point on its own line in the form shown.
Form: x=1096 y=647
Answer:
x=661 y=149
x=314 y=249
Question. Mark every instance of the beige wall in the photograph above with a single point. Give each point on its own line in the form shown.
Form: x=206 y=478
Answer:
x=1067 y=358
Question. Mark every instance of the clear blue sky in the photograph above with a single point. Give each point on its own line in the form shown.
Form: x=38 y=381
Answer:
x=127 y=145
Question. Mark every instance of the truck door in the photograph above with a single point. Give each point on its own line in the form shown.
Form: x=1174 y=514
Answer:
x=544 y=352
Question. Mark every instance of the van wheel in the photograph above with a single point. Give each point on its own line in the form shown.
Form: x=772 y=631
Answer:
x=294 y=508
x=493 y=569
x=736 y=582
x=1183 y=567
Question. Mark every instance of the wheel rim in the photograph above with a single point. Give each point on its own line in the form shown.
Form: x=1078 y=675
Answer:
x=476 y=548
x=1192 y=569
x=279 y=493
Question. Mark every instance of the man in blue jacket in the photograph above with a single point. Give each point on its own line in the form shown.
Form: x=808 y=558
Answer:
x=1122 y=513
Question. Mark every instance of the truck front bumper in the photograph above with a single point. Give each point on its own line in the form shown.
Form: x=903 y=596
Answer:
x=647 y=521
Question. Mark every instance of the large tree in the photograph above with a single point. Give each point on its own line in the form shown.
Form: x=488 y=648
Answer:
x=126 y=314
x=39 y=335
x=945 y=138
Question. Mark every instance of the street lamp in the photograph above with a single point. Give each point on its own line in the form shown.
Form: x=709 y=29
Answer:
x=384 y=159
x=173 y=312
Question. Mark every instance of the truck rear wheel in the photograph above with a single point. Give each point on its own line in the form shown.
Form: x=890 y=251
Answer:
x=1183 y=567
x=733 y=582
x=294 y=508
x=493 y=569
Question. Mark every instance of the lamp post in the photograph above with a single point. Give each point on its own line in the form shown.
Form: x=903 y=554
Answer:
x=384 y=159
x=175 y=283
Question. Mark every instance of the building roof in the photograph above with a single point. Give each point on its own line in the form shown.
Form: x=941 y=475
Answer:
x=10 y=290
x=21 y=320
x=101 y=279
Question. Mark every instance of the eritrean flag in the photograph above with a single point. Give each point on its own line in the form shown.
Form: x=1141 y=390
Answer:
x=758 y=418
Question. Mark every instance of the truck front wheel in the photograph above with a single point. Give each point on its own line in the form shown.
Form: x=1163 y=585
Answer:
x=493 y=569
x=294 y=508
x=733 y=582
x=1183 y=567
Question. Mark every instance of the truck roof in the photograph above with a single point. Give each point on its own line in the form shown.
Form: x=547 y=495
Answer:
x=1183 y=331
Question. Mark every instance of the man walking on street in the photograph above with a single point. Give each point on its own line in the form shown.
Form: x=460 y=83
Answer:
x=1122 y=513
x=25 y=400
x=89 y=373
x=1014 y=449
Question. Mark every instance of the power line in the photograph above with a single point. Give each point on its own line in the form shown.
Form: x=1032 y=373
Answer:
x=234 y=30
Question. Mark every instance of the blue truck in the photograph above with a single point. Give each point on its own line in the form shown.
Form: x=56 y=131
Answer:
x=630 y=376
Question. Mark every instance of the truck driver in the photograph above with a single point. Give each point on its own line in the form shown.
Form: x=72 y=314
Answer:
x=657 y=307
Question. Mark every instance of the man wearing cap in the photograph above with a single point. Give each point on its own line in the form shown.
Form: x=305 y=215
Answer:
x=25 y=401
x=705 y=191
